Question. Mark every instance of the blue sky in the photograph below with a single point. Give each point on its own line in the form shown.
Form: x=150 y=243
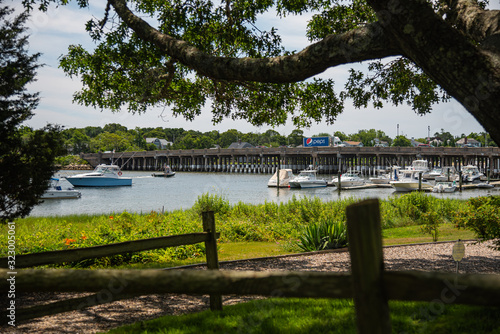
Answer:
x=51 y=33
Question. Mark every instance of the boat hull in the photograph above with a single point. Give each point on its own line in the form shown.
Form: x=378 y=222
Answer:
x=404 y=186
x=444 y=187
x=98 y=181
x=307 y=184
x=274 y=184
x=162 y=174
x=312 y=184
x=61 y=194
x=380 y=180
x=348 y=184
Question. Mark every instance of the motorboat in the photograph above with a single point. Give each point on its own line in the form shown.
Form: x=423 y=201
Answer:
x=102 y=176
x=55 y=191
x=349 y=179
x=167 y=172
x=485 y=185
x=448 y=173
x=285 y=175
x=307 y=179
x=444 y=187
x=419 y=166
x=471 y=174
x=408 y=180
x=432 y=174
x=381 y=178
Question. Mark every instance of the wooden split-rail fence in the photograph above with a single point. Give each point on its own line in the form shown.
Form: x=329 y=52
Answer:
x=368 y=284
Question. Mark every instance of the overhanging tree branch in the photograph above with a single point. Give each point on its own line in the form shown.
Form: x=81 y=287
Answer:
x=366 y=43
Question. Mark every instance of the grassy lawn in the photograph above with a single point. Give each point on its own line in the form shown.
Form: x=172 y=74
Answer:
x=412 y=234
x=321 y=316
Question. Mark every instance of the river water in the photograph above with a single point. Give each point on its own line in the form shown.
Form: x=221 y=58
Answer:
x=149 y=193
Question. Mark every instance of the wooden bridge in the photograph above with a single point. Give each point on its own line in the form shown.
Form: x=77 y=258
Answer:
x=328 y=160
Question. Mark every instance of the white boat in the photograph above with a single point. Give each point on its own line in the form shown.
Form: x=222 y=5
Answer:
x=307 y=179
x=349 y=179
x=471 y=174
x=432 y=174
x=284 y=180
x=448 y=173
x=419 y=166
x=167 y=172
x=444 y=187
x=102 y=176
x=408 y=180
x=57 y=192
x=381 y=178
x=484 y=185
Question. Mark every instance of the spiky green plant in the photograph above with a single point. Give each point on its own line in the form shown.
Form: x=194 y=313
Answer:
x=326 y=234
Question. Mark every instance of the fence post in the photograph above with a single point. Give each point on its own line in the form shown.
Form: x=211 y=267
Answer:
x=211 y=250
x=367 y=265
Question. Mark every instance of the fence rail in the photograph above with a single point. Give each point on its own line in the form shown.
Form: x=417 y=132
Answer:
x=474 y=289
x=113 y=285
x=78 y=254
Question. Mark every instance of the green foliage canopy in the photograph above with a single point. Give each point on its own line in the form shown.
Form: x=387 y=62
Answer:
x=187 y=54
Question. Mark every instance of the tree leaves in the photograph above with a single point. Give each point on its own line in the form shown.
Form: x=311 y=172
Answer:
x=397 y=81
x=26 y=158
x=132 y=72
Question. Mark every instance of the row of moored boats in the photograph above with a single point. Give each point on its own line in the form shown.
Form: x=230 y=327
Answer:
x=414 y=177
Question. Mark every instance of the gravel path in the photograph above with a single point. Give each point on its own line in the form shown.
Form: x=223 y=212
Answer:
x=479 y=258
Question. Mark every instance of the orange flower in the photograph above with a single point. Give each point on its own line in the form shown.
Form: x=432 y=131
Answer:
x=110 y=217
x=84 y=237
x=69 y=241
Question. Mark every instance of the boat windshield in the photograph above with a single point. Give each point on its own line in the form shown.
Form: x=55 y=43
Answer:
x=107 y=169
x=419 y=164
x=469 y=169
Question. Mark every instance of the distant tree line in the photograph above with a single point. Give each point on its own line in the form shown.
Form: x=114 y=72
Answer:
x=93 y=139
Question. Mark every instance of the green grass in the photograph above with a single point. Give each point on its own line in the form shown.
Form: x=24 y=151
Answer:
x=412 y=234
x=226 y=252
x=321 y=316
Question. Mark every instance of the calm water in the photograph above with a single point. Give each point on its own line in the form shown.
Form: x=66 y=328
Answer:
x=181 y=191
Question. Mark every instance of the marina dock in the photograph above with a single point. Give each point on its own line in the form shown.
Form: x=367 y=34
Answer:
x=465 y=186
x=327 y=160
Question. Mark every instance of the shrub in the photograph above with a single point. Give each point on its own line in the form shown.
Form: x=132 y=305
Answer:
x=431 y=221
x=482 y=216
x=211 y=202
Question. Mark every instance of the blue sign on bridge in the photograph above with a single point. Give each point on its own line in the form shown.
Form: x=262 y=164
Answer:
x=316 y=141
